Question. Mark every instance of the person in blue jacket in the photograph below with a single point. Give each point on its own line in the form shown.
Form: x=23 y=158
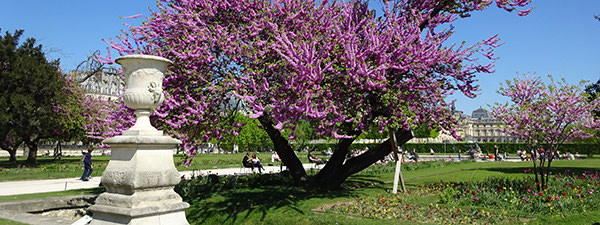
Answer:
x=87 y=165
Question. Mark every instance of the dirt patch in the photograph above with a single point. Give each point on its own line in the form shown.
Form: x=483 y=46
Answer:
x=68 y=214
x=325 y=207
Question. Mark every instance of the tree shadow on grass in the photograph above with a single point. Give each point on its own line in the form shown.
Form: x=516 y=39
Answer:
x=229 y=206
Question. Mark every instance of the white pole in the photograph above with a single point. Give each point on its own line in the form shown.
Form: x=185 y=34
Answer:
x=397 y=174
x=398 y=158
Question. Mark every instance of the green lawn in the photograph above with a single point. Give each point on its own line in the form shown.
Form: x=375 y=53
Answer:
x=51 y=194
x=274 y=204
x=267 y=200
x=9 y=222
x=71 y=166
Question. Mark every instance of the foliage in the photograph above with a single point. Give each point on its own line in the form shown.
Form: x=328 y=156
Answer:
x=426 y=130
x=545 y=116
x=593 y=94
x=249 y=138
x=31 y=89
x=510 y=148
x=335 y=65
x=206 y=184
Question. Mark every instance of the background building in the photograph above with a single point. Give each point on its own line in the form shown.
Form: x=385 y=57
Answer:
x=105 y=83
x=479 y=127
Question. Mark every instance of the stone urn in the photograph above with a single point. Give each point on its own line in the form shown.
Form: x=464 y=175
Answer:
x=140 y=175
x=143 y=89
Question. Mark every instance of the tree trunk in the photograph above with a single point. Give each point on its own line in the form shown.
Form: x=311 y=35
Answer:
x=542 y=170
x=334 y=178
x=12 y=154
x=11 y=149
x=335 y=161
x=534 y=159
x=32 y=155
x=285 y=151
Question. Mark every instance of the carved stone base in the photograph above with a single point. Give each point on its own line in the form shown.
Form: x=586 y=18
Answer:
x=139 y=181
x=140 y=175
x=165 y=214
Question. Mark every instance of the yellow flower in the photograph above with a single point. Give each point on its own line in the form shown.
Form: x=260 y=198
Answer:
x=551 y=208
x=504 y=188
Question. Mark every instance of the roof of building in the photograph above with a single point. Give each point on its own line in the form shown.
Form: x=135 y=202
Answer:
x=480 y=114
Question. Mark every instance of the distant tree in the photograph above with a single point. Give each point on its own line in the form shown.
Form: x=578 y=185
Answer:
x=426 y=131
x=10 y=143
x=336 y=65
x=31 y=89
x=248 y=135
x=593 y=94
x=545 y=117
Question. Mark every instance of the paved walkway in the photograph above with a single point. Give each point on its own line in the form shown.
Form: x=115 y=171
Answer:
x=52 y=185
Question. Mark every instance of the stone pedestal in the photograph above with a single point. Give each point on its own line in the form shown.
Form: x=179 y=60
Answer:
x=140 y=175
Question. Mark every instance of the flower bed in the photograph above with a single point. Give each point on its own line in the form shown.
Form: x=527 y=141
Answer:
x=493 y=200
x=389 y=206
x=567 y=192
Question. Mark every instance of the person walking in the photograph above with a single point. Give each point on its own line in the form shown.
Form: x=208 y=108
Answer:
x=87 y=165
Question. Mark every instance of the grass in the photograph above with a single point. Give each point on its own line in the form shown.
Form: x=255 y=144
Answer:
x=51 y=194
x=10 y=222
x=48 y=168
x=215 y=161
x=278 y=202
x=71 y=166
x=283 y=204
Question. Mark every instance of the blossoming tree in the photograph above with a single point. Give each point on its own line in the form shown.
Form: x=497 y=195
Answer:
x=336 y=65
x=544 y=117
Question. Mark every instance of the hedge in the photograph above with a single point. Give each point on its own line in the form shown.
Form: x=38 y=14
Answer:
x=510 y=148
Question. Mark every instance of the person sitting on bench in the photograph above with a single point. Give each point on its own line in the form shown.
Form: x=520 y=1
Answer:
x=314 y=159
x=256 y=163
x=247 y=161
x=275 y=158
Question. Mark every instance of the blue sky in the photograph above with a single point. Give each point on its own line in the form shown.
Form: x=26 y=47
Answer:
x=560 y=38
